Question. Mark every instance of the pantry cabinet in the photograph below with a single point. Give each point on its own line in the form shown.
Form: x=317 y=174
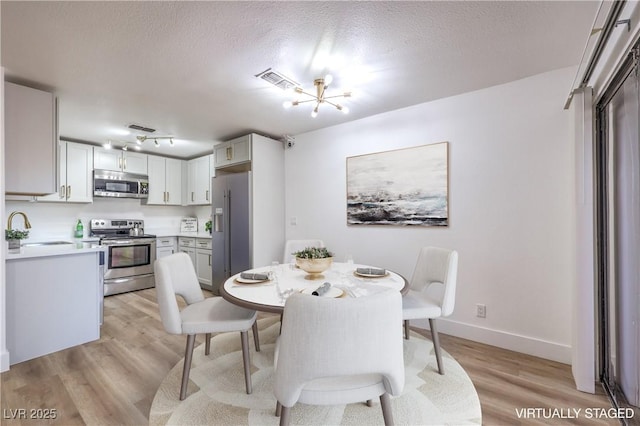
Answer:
x=31 y=141
x=75 y=174
x=199 y=174
x=165 y=181
x=120 y=161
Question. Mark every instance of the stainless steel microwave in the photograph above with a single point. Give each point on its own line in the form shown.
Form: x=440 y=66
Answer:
x=107 y=183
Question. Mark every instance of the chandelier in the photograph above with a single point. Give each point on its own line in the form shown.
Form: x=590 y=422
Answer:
x=319 y=97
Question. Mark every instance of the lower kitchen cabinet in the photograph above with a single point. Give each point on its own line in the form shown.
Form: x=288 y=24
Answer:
x=166 y=246
x=52 y=303
x=203 y=260
x=199 y=250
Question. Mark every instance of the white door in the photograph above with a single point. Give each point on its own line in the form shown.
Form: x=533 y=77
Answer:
x=157 y=176
x=107 y=159
x=173 y=181
x=79 y=166
x=135 y=162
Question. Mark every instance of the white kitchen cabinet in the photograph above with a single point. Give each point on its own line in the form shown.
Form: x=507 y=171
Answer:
x=120 y=161
x=53 y=303
x=203 y=260
x=75 y=174
x=233 y=152
x=199 y=180
x=165 y=181
x=166 y=246
x=188 y=245
x=31 y=141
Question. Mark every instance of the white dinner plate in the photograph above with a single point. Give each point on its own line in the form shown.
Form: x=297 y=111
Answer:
x=246 y=281
x=333 y=291
x=356 y=273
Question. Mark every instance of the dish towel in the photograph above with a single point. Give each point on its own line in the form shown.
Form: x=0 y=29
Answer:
x=371 y=271
x=257 y=277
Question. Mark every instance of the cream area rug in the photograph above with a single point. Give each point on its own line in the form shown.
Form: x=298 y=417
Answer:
x=216 y=394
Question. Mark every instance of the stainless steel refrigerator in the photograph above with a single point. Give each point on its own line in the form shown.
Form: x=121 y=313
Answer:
x=231 y=226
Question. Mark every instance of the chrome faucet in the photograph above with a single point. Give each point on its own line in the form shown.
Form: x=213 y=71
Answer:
x=27 y=224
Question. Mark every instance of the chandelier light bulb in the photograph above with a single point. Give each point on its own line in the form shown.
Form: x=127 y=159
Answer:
x=124 y=148
x=314 y=113
x=107 y=145
x=287 y=104
x=328 y=79
x=345 y=110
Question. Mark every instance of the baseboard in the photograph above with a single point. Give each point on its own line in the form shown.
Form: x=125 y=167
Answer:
x=514 y=342
x=4 y=361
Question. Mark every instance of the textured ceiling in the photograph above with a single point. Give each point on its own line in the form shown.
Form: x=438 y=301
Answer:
x=187 y=68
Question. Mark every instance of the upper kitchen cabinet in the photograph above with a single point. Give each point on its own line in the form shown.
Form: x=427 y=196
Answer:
x=165 y=181
x=30 y=141
x=199 y=174
x=120 y=161
x=234 y=152
x=75 y=174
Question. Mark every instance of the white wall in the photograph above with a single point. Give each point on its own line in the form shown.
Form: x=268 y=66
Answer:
x=510 y=199
x=51 y=221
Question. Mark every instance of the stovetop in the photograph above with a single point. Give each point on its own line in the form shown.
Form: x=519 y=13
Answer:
x=116 y=229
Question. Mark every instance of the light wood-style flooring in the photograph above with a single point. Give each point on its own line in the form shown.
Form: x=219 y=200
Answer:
x=113 y=381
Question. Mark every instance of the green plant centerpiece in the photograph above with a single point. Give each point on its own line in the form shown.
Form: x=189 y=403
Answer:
x=13 y=237
x=314 y=261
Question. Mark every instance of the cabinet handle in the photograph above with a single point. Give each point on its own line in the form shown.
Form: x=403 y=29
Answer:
x=206 y=196
x=68 y=191
x=63 y=191
x=125 y=164
x=167 y=196
x=209 y=260
x=191 y=195
x=164 y=197
x=229 y=153
x=120 y=162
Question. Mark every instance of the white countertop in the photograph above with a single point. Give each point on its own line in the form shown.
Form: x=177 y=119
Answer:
x=73 y=248
x=163 y=234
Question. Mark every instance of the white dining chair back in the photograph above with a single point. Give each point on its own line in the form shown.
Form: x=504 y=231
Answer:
x=175 y=276
x=337 y=351
x=436 y=267
x=292 y=246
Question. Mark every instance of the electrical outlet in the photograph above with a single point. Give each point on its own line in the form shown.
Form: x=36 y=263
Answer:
x=481 y=310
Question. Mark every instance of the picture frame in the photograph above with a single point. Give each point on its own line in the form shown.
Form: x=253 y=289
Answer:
x=403 y=187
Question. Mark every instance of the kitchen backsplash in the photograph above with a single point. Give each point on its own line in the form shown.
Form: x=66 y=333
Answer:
x=57 y=220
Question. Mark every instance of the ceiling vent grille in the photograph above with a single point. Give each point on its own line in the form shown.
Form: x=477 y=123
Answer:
x=141 y=128
x=277 y=79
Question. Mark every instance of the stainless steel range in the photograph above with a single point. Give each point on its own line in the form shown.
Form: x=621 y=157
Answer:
x=130 y=254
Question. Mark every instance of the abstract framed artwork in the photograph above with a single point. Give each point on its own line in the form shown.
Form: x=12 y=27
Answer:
x=403 y=187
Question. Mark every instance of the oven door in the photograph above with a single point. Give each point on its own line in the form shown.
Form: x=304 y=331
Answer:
x=129 y=257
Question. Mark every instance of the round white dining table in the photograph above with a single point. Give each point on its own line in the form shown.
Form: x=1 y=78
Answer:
x=285 y=279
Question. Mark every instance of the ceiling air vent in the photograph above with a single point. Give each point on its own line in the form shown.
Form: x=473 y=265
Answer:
x=141 y=128
x=277 y=79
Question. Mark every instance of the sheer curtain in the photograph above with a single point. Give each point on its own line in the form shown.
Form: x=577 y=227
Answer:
x=624 y=290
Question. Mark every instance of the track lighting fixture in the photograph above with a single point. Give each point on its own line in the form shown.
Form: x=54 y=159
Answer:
x=140 y=139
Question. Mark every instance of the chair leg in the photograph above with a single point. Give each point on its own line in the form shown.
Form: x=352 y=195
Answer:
x=387 y=414
x=406 y=329
x=244 y=337
x=188 y=355
x=207 y=343
x=284 y=416
x=436 y=344
x=256 y=338
x=278 y=408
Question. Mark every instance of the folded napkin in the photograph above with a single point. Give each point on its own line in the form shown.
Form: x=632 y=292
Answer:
x=256 y=277
x=322 y=289
x=371 y=271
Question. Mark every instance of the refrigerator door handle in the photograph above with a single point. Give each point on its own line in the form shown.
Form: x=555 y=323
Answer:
x=227 y=235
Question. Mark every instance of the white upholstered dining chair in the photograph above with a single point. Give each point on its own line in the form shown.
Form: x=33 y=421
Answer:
x=292 y=246
x=436 y=267
x=175 y=276
x=339 y=351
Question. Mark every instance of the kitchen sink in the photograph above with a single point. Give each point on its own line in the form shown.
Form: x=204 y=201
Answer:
x=46 y=243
